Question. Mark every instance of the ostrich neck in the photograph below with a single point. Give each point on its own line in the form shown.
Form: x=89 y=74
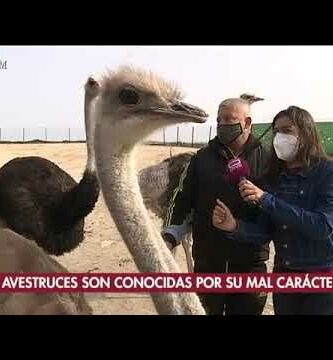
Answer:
x=90 y=165
x=122 y=196
x=117 y=175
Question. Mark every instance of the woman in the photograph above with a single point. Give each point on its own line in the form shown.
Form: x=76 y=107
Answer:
x=295 y=209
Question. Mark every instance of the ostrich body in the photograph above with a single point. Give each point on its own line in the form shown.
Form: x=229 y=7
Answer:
x=157 y=184
x=42 y=202
x=20 y=255
x=131 y=105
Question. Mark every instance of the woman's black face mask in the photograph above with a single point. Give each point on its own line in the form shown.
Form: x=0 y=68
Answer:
x=229 y=133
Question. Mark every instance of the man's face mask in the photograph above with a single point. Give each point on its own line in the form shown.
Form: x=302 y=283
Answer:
x=286 y=146
x=229 y=133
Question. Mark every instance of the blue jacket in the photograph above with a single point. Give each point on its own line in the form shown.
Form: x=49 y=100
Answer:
x=297 y=215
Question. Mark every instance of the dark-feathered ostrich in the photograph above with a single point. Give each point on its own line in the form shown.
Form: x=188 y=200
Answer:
x=43 y=203
x=158 y=183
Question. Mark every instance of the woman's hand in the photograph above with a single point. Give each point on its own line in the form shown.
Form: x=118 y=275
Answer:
x=223 y=218
x=250 y=192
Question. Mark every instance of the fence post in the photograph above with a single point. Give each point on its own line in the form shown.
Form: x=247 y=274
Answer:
x=210 y=132
x=177 y=135
x=192 y=135
x=0 y=135
x=23 y=134
x=69 y=134
x=163 y=136
x=45 y=132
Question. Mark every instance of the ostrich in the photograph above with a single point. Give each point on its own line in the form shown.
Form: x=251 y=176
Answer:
x=20 y=255
x=158 y=183
x=132 y=104
x=43 y=203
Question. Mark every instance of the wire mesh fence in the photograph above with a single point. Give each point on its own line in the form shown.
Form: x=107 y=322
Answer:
x=182 y=135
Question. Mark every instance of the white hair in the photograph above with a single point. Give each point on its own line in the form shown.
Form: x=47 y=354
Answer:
x=235 y=102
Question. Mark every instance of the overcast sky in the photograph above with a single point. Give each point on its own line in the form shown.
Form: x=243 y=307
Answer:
x=43 y=86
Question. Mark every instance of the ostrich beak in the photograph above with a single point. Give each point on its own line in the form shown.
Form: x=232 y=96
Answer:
x=184 y=111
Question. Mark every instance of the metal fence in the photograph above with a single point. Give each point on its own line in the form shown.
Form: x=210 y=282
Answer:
x=182 y=135
x=27 y=134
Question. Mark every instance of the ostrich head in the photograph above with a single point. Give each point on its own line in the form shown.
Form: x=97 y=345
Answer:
x=250 y=98
x=91 y=87
x=135 y=103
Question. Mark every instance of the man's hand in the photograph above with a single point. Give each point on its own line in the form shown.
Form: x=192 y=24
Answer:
x=250 y=192
x=223 y=218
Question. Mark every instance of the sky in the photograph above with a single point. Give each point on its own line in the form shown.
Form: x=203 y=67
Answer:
x=43 y=85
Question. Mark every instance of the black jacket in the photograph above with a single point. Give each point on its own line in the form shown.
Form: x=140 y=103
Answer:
x=202 y=182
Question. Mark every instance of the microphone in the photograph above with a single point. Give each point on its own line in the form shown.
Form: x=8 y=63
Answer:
x=238 y=170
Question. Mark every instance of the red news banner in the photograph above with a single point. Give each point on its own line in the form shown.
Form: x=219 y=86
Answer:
x=156 y=282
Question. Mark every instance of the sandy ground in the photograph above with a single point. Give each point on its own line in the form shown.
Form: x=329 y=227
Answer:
x=103 y=249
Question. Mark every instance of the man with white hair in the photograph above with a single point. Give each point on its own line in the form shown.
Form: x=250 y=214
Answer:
x=203 y=181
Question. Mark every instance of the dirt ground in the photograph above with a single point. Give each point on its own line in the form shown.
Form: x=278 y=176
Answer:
x=103 y=249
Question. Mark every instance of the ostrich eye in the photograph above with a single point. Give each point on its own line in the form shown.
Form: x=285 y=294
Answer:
x=129 y=97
